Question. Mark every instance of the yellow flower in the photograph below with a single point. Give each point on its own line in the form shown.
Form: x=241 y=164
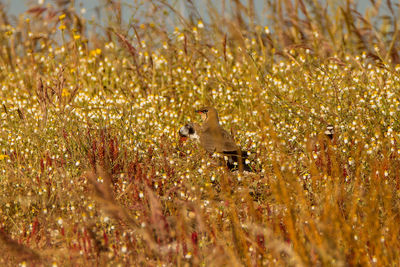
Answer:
x=181 y=37
x=65 y=93
x=77 y=36
x=3 y=156
x=62 y=27
x=61 y=17
x=95 y=52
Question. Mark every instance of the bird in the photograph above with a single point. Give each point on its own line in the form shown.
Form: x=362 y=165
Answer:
x=323 y=139
x=212 y=136
x=321 y=149
x=214 y=139
x=330 y=131
x=190 y=130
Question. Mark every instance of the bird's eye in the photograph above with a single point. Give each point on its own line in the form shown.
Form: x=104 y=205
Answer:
x=202 y=111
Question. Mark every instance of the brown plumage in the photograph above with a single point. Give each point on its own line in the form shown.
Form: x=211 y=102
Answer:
x=212 y=136
x=214 y=139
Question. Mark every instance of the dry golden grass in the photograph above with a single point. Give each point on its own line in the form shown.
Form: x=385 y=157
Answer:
x=92 y=171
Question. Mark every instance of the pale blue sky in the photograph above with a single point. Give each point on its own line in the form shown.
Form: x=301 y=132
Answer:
x=16 y=7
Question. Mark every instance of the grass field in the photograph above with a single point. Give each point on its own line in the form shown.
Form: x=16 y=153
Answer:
x=92 y=171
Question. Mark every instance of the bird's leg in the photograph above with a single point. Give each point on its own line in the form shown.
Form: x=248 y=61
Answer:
x=240 y=160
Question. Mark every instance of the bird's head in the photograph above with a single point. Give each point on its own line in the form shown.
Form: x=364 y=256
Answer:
x=208 y=114
x=188 y=131
x=330 y=131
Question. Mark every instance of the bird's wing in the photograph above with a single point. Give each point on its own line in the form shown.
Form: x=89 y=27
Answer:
x=216 y=139
x=227 y=143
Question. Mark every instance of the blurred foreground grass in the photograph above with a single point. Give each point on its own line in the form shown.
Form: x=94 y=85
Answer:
x=93 y=173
